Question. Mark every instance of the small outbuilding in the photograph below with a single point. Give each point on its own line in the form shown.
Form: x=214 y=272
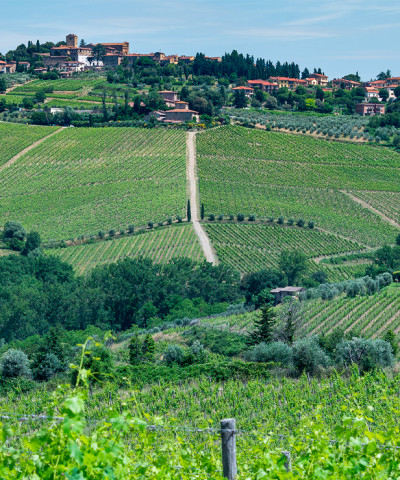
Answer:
x=281 y=293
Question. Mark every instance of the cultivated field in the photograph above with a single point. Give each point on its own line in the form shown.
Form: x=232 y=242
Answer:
x=272 y=174
x=371 y=315
x=250 y=248
x=158 y=245
x=61 y=85
x=14 y=138
x=82 y=181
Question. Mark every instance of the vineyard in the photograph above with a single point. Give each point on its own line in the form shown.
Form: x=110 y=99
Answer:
x=159 y=245
x=61 y=85
x=387 y=203
x=83 y=181
x=14 y=138
x=329 y=426
x=254 y=247
x=273 y=174
x=371 y=315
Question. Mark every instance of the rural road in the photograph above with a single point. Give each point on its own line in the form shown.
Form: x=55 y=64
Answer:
x=199 y=230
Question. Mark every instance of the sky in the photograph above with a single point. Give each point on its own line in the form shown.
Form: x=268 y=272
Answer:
x=340 y=37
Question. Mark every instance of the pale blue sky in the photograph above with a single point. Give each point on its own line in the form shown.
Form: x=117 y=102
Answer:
x=340 y=36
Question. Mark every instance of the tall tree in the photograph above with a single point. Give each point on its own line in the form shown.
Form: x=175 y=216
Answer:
x=264 y=326
x=188 y=211
x=293 y=264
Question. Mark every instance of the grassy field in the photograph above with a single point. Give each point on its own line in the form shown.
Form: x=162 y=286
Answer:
x=14 y=138
x=86 y=180
x=272 y=174
x=159 y=245
x=253 y=247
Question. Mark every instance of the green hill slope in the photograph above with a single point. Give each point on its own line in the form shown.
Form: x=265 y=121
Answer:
x=273 y=174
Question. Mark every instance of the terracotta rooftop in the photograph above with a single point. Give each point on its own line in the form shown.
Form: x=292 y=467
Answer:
x=181 y=110
x=243 y=88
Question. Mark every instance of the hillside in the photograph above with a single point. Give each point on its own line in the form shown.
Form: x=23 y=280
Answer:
x=82 y=181
x=159 y=245
x=275 y=174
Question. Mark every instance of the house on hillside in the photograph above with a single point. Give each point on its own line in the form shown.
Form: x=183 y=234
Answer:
x=321 y=79
x=264 y=85
x=169 y=97
x=248 y=91
x=371 y=92
x=288 y=82
x=281 y=293
x=370 y=109
x=344 y=83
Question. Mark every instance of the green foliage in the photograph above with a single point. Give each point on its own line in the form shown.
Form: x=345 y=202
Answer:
x=141 y=349
x=13 y=230
x=391 y=338
x=293 y=264
x=366 y=354
x=277 y=352
x=221 y=342
x=264 y=326
x=14 y=363
x=33 y=242
x=174 y=354
x=308 y=355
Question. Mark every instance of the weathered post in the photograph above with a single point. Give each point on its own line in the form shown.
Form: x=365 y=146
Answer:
x=288 y=463
x=228 y=443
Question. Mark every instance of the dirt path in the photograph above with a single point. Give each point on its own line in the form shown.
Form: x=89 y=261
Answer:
x=25 y=150
x=370 y=207
x=200 y=232
x=10 y=89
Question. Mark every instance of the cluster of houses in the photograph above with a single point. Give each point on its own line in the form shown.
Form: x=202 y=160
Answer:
x=72 y=58
x=366 y=108
x=11 y=67
x=179 y=113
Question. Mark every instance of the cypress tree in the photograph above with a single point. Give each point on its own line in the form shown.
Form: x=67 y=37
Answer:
x=202 y=211
x=135 y=350
x=148 y=348
x=188 y=211
x=264 y=327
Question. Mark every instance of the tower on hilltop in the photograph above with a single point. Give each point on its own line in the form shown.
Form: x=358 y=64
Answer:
x=72 y=40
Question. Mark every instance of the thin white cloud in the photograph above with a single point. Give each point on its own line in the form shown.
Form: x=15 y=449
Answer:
x=314 y=20
x=279 y=33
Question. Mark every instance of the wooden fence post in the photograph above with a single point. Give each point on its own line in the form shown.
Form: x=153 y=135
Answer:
x=228 y=443
x=288 y=463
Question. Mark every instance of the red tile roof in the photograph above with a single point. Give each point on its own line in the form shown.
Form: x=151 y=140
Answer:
x=243 y=88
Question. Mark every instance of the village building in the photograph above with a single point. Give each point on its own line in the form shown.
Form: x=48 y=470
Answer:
x=264 y=85
x=186 y=59
x=371 y=92
x=322 y=80
x=248 y=91
x=288 y=82
x=281 y=293
x=370 y=109
x=344 y=83
x=169 y=97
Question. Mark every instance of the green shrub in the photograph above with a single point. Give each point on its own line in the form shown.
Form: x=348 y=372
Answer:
x=280 y=220
x=311 y=224
x=367 y=354
x=308 y=355
x=14 y=363
x=252 y=218
x=290 y=222
x=47 y=368
x=277 y=352
x=240 y=217
x=174 y=354
x=211 y=217
x=300 y=222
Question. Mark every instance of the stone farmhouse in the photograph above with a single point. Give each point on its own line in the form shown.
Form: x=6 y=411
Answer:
x=248 y=91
